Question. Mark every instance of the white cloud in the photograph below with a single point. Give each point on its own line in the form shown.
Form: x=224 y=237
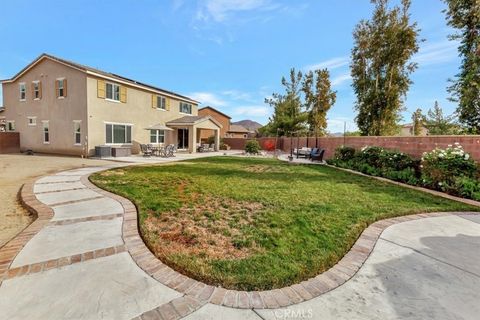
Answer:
x=435 y=53
x=338 y=80
x=336 y=125
x=220 y=10
x=208 y=98
x=237 y=95
x=252 y=111
x=330 y=64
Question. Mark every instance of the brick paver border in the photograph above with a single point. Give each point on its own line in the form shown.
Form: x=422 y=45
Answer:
x=43 y=215
x=199 y=292
x=195 y=293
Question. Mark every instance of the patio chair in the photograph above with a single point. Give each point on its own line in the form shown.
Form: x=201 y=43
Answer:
x=318 y=156
x=170 y=150
x=313 y=151
x=147 y=152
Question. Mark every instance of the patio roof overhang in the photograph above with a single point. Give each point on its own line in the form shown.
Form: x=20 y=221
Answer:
x=195 y=121
x=159 y=126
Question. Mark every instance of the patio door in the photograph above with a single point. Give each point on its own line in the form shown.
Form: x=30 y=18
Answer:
x=182 y=139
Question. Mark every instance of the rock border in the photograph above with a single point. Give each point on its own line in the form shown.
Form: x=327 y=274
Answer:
x=199 y=293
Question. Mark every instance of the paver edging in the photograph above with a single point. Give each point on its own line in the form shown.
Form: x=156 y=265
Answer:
x=43 y=214
x=331 y=279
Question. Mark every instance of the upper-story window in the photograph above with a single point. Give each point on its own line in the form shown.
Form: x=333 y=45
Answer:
x=23 y=91
x=37 y=90
x=61 y=88
x=32 y=121
x=112 y=91
x=161 y=103
x=185 y=108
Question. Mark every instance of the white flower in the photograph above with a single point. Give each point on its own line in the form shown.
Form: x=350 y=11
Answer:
x=440 y=183
x=467 y=156
x=456 y=143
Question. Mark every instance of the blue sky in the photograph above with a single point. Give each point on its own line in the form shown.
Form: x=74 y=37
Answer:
x=230 y=54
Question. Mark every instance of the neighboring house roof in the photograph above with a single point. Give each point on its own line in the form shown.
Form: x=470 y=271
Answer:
x=215 y=110
x=2 y=109
x=192 y=120
x=101 y=74
x=238 y=128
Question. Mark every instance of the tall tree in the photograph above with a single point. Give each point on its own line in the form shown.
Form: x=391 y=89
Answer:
x=439 y=124
x=418 y=120
x=288 y=116
x=381 y=66
x=464 y=15
x=319 y=98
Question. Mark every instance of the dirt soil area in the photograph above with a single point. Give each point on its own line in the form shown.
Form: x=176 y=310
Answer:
x=15 y=169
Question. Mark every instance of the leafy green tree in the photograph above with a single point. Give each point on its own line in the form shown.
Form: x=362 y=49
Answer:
x=319 y=98
x=418 y=121
x=288 y=116
x=464 y=15
x=439 y=124
x=381 y=66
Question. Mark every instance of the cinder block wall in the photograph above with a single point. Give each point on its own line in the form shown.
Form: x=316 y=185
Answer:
x=414 y=146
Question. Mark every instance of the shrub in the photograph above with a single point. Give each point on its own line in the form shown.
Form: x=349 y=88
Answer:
x=252 y=146
x=468 y=188
x=441 y=168
x=344 y=153
x=211 y=140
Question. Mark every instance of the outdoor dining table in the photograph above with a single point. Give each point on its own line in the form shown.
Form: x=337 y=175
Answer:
x=158 y=150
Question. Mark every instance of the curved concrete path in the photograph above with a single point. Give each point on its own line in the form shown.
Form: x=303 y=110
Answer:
x=74 y=264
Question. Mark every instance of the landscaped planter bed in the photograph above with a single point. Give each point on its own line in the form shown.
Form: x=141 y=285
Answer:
x=248 y=223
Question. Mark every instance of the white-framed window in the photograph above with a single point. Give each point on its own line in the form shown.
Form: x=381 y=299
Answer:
x=185 y=108
x=10 y=125
x=32 y=121
x=61 y=88
x=157 y=136
x=77 y=132
x=112 y=91
x=36 y=90
x=23 y=91
x=161 y=103
x=118 y=133
x=46 y=132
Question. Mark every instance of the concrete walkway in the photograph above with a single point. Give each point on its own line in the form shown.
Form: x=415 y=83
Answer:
x=77 y=267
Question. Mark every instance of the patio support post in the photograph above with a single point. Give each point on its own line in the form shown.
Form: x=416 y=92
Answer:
x=217 y=140
x=192 y=132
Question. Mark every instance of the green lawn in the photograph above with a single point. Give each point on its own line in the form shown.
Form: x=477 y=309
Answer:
x=246 y=223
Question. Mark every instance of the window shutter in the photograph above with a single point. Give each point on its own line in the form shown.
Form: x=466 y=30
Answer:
x=57 y=91
x=168 y=104
x=39 y=89
x=33 y=91
x=154 y=101
x=123 y=94
x=101 y=89
x=64 y=87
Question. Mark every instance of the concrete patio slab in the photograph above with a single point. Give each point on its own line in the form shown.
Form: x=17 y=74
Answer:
x=450 y=239
x=88 y=208
x=49 y=179
x=394 y=283
x=59 y=186
x=106 y=288
x=66 y=196
x=80 y=171
x=212 y=311
x=473 y=218
x=54 y=242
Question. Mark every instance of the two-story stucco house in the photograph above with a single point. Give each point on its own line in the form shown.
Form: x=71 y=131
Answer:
x=59 y=106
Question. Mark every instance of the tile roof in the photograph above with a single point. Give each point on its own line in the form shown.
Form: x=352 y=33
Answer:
x=101 y=73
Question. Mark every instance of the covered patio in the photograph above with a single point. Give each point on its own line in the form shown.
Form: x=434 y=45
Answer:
x=187 y=130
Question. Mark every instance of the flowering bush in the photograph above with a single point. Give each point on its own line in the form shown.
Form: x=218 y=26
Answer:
x=378 y=161
x=442 y=167
x=344 y=153
x=450 y=170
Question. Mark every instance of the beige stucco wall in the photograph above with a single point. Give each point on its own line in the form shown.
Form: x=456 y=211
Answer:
x=59 y=112
x=137 y=111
